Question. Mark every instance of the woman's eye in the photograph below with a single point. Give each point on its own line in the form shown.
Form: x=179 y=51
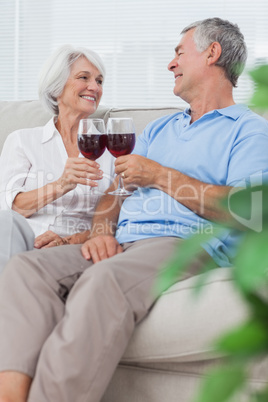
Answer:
x=83 y=77
x=100 y=82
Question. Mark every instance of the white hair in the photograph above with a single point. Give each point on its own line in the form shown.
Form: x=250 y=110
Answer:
x=228 y=35
x=56 y=71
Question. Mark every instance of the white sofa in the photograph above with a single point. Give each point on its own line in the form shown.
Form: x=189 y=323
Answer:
x=170 y=350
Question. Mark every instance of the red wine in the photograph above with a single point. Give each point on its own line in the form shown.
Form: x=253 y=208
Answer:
x=120 y=144
x=91 y=146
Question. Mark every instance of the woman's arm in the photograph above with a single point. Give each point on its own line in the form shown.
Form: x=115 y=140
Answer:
x=29 y=202
x=76 y=171
x=18 y=163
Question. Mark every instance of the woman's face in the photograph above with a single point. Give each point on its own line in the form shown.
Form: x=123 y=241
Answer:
x=83 y=90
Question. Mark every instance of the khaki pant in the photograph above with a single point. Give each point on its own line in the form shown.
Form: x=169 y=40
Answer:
x=66 y=322
x=16 y=236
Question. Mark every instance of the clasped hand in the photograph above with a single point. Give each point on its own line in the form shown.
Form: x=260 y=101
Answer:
x=49 y=239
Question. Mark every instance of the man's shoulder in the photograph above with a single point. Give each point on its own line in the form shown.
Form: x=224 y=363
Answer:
x=245 y=112
x=162 y=121
x=245 y=121
x=160 y=125
x=166 y=118
x=253 y=121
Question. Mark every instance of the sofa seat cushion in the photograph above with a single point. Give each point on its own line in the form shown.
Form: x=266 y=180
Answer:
x=182 y=326
x=173 y=382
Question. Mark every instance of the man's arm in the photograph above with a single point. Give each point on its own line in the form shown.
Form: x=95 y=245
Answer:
x=102 y=243
x=202 y=198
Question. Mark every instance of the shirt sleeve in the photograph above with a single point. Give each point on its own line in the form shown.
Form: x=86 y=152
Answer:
x=140 y=146
x=143 y=140
x=14 y=167
x=248 y=162
x=149 y=134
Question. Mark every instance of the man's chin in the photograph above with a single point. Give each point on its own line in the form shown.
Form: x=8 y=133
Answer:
x=177 y=92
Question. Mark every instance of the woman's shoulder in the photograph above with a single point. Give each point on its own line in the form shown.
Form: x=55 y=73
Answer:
x=28 y=132
x=26 y=136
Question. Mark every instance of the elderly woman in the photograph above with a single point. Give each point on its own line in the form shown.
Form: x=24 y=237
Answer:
x=42 y=176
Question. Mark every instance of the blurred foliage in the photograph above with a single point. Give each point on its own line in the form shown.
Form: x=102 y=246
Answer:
x=260 y=96
x=249 y=341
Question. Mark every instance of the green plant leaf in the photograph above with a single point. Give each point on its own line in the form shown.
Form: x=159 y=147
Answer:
x=260 y=75
x=183 y=256
x=251 y=262
x=201 y=279
x=260 y=97
x=239 y=202
x=249 y=203
x=249 y=339
x=221 y=384
x=258 y=306
x=261 y=396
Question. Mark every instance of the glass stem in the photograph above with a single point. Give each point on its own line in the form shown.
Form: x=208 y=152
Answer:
x=120 y=183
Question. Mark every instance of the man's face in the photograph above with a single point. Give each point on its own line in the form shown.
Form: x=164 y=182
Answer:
x=188 y=67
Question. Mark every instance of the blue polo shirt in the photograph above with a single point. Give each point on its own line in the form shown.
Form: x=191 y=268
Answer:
x=224 y=147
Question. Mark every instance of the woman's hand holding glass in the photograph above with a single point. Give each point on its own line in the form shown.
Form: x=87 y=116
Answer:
x=79 y=171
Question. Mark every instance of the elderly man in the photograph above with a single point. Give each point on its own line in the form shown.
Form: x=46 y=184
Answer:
x=66 y=316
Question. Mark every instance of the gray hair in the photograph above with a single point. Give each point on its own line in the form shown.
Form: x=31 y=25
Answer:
x=234 y=51
x=56 y=71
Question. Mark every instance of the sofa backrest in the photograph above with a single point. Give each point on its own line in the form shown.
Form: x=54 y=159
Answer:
x=22 y=114
x=141 y=116
x=25 y=114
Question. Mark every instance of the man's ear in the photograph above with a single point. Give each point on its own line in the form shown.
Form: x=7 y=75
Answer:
x=214 y=53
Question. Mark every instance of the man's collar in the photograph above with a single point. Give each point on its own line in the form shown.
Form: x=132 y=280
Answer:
x=49 y=130
x=233 y=111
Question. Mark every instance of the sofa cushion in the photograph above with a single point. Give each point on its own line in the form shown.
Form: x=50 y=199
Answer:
x=141 y=116
x=26 y=114
x=181 y=327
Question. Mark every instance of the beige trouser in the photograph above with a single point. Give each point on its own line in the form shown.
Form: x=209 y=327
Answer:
x=16 y=236
x=66 y=322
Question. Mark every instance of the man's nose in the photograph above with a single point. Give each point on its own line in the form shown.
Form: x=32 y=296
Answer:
x=172 y=64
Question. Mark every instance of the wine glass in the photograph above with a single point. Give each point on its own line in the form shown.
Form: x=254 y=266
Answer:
x=120 y=141
x=91 y=140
